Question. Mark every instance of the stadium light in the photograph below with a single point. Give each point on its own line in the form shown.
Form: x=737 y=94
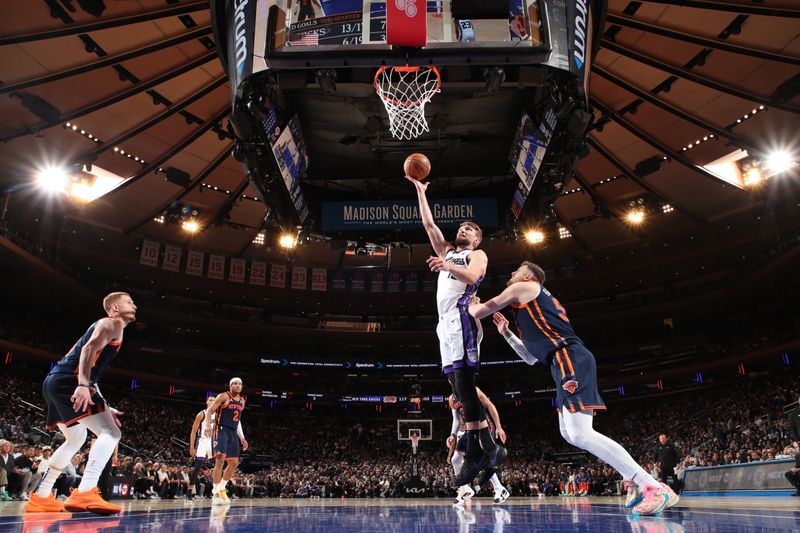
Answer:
x=191 y=226
x=635 y=216
x=534 y=236
x=52 y=179
x=779 y=161
x=287 y=241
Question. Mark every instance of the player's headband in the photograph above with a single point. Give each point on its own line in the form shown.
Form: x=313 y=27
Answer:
x=233 y=380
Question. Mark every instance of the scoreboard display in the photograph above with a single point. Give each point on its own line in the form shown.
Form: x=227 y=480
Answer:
x=344 y=29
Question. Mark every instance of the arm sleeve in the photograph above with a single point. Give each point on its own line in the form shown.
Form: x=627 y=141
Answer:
x=516 y=343
x=240 y=431
x=456 y=423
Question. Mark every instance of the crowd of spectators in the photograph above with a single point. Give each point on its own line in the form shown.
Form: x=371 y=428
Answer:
x=341 y=456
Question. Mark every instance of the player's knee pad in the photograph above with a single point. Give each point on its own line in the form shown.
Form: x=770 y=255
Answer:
x=466 y=392
x=458 y=462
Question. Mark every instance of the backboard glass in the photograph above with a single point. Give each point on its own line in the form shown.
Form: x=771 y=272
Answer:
x=421 y=427
x=314 y=33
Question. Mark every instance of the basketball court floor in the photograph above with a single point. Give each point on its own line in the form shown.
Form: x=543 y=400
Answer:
x=717 y=515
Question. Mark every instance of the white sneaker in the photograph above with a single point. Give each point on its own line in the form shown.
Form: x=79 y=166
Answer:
x=216 y=499
x=464 y=493
x=501 y=497
x=673 y=498
x=224 y=495
x=24 y=497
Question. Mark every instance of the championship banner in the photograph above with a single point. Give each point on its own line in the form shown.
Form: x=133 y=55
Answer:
x=393 y=283
x=149 y=255
x=319 y=279
x=357 y=281
x=216 y=267
x=395 y=214
x=194 y=263
x=172 y=259
x=376 y=282
x=258 y=273
x=339 y=281
x=299 y=277
x=236 y=272
x=278 y=276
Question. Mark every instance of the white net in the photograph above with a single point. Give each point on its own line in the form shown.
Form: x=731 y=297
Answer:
x=404 y=92
x=414 y=443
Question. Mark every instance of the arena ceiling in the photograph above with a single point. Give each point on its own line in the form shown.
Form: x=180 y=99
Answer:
x=140 y=86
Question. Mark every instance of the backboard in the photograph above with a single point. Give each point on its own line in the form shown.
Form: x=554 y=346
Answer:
x=421 y=427
x=320 y=33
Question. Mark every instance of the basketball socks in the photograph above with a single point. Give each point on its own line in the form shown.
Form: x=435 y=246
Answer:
x=75 y=437
x=100 y=453
x=45 y=488
x=578 y=427
x=496 y=485
x=222 y=484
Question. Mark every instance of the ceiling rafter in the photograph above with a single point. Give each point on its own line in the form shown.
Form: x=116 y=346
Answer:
x=658 y=145
x=119 y=139
x=649 y=97
x=107 y=61
x=631 y=175
x=749 y=9
x=714 y=44
x=86 y=27
x=218 y=160
x=136 y=89
x=169 y=154
x=691 y=76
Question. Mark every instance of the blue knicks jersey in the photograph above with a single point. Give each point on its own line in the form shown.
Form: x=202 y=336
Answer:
x=228 y=416
x=544 y=327
x=100 y=361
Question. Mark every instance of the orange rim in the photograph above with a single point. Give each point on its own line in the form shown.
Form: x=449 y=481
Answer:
x=407 y=68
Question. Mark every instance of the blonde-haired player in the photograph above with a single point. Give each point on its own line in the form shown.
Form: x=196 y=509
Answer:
x=75 y=405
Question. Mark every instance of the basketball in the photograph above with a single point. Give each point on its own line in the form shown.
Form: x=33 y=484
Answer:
x=417 y=166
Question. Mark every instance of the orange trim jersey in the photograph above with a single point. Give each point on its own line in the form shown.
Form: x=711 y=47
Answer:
x=545 y=329
x=100 y=363
x=229 y=415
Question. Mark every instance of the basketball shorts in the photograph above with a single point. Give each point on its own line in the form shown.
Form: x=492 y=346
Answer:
x=461 y=443
x=204 y=450
x=574 y=372
x=226 y=442
x=57 y=390
x=460 y=338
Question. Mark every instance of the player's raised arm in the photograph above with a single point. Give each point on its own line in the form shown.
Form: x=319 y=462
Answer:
x=440 y=245
x=518 y=293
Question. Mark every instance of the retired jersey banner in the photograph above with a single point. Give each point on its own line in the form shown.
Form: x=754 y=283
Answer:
x=278 y=276
x=172 y=259
x=411 y=280
x=376 y=281
x=319 y=279
x=393 y=283
x=258 y=273
x=194 y=263
x=393 y=214
x=236 y=272
x=149 y=255
x=299 y=277
x=357 y=281
x=339 y=281
x=216 y=267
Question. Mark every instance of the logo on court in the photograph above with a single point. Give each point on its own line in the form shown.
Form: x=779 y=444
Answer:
x=570 y=386
x=407 y=6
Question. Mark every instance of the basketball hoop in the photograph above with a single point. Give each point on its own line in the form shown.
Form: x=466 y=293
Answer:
x=404 y=92
x=414 y=442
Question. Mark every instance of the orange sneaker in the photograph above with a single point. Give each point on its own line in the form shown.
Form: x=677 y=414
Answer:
x=91 y=501
x=37 y=504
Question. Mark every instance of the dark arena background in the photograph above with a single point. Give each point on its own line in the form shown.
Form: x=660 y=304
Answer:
x=235 y=167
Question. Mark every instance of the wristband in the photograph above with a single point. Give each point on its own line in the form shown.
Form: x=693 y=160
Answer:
x=82 y=385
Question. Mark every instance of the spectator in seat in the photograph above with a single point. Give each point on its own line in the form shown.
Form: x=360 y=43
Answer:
x=6 y=464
